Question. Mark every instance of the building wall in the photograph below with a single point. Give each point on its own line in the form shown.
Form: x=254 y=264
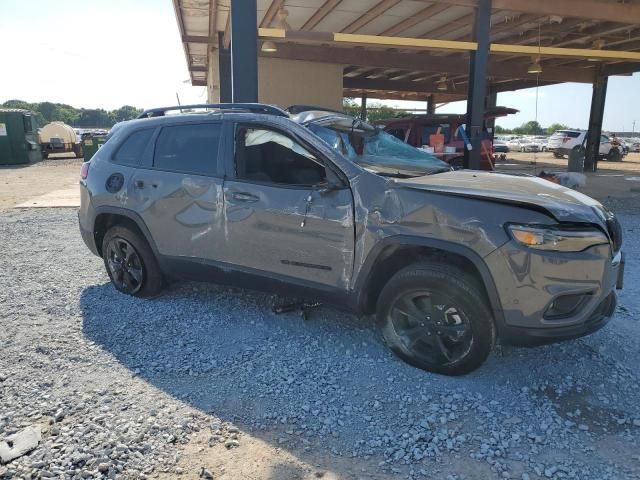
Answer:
x=288 y=82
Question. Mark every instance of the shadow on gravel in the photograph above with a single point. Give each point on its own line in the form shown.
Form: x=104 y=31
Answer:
x=327 y=384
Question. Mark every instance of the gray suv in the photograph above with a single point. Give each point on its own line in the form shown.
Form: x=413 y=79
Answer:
x=318 y=205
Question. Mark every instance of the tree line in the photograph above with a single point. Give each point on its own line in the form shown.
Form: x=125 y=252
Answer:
x=46 y=112
x=531 y=128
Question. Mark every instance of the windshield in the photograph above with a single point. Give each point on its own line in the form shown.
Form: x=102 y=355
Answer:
x=380 y=152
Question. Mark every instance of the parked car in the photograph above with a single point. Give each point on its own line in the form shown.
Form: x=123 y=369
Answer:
x=563 y=141
x=523 y=145
x=635 y=147
x=325 y=207
x=417 y=131
x=500 y=147
x=542 y=143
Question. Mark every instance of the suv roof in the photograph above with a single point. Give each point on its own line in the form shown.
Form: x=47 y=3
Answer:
x=216 y=107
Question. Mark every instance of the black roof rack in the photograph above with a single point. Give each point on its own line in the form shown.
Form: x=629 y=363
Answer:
x=243 y=107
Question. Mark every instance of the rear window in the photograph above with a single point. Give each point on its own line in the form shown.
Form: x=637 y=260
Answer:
x=132 y=149
x=567 y=133
x=188 y=148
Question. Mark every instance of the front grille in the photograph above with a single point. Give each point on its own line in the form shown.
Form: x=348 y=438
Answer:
x=615 y=232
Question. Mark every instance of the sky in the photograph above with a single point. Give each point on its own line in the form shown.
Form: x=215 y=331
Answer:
x=105 y=54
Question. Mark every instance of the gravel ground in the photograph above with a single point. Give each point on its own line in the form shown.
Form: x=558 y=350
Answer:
x=120 y=386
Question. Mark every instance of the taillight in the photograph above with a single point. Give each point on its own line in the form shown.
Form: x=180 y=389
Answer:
x=84 y=170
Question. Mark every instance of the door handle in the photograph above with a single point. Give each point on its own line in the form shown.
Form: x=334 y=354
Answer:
x=244 y=197
x=139 y=183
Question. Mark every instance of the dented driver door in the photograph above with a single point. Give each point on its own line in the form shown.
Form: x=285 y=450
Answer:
x=278 y=219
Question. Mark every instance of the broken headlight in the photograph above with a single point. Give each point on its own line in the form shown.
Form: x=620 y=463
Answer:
x=556 y=238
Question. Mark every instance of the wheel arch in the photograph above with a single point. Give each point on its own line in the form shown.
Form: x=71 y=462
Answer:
x=395 y=253
x=107 y=217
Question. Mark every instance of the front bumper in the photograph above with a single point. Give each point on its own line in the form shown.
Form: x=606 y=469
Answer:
x=531 y=337
x=530 y=284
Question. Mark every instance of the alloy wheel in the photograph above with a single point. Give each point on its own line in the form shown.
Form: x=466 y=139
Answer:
x=432 y=327
x=124 y=265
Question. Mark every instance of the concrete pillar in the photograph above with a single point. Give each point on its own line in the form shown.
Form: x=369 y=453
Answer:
x=244 y=51
x=598 y=99
x=478 y=83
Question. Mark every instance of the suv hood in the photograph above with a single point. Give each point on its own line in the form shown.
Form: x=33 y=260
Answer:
x=564 y=204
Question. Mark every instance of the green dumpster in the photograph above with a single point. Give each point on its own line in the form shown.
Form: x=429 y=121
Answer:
x=90 y=145
x=18 y=137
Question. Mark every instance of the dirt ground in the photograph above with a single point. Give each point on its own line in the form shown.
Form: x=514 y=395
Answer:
x=21 y=183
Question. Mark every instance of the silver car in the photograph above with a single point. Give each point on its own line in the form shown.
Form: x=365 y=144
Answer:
x=322 y=206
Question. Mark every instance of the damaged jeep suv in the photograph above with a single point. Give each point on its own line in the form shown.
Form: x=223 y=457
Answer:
x=317 y=205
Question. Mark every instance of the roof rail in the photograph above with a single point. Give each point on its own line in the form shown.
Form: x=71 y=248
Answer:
x=243 y=107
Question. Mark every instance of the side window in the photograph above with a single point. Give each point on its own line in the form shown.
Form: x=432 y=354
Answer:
x=264 y=155
x=604 y=139
x=131 y=150
x=188 y=148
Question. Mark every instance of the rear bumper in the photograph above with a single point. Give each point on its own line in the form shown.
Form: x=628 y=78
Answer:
x=531 y=337
x=88 y=239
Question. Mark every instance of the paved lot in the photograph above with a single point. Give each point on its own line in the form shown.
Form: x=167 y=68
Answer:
x=206 y=377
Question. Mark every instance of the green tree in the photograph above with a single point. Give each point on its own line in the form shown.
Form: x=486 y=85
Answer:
x=376 y=111
x=554 y=127
x=46 y=112
x=501 y=130
x=531 y=127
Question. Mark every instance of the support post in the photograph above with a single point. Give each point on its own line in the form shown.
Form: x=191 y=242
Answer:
x=224 y=69
x=431 y=105
x=363 y=107
x=244 y=50
x=595 y=122
x=491 y=102
x=478 y=83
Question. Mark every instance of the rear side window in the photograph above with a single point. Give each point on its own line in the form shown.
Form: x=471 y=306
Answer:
x=569 y=134
x=132 y=149
x=188 y=148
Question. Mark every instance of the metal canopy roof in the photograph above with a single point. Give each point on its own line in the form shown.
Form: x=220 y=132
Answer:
x=382 y=68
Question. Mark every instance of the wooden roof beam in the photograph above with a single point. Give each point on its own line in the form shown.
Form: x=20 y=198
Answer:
x=589 y=9
x=326 y=8
x=370 y=15
x=271 y=12
x=418 y=62
x=422 y=15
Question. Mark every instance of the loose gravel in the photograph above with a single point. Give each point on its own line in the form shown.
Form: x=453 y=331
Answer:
x=119 y=385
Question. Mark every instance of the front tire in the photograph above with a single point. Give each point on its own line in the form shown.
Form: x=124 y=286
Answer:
x=130 y=263
x=435 y=317
x=557 y=155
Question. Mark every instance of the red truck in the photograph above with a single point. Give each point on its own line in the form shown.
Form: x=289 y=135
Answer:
x=418 y=131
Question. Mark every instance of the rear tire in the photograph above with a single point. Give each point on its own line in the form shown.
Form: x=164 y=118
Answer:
x=435 y=317
x=130 y=263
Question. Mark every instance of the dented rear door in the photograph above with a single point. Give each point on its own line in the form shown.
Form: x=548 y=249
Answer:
x=179 y=196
